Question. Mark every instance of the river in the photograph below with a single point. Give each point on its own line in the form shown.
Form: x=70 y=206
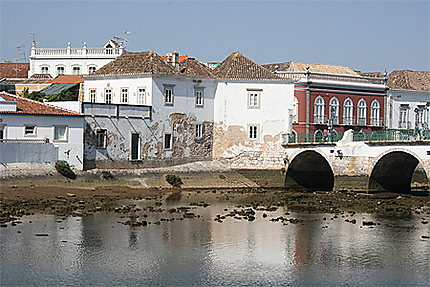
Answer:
x=320 y=249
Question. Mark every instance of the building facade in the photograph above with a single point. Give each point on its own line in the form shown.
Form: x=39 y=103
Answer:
x=31 y=131
x=72 y=61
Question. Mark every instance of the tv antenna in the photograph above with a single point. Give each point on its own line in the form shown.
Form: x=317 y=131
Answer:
x=21 y=52
x=33 y=37
x=123 y=39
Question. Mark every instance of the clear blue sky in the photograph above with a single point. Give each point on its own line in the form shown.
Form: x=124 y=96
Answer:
x=364 y=35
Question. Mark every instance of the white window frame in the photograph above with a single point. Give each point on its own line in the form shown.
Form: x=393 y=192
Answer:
x=106 y=96
x=102 y=132
x=63 y=70
x=33 y=133
x=348 y=112
x=169 y=95
x=66 y=133
x=124 y=95
x=141 y=97
x=362 y=112
x=170 y=147
x=375 y=113
x=334 y=103
x=93 y=95
x=90 y=68
x=199 y=131
x=254 y=98
x=74 y=68
x=253 y=131
x=319 y=109
x=42 y=68
x=199 y=96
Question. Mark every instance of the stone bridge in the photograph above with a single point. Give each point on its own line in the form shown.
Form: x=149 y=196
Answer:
x=388 y=166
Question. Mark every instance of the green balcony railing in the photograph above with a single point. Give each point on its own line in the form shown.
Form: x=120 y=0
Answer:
x=370 y=136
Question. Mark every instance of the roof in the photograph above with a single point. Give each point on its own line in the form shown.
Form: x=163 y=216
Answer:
x=27 y=106
x=14 y=70
x=192 y=67
x=180 y=58
x=409 y=80
x=238 y=67
x=56 y=88
x=67 y=79
x=313 y=68
x=136 y=63
x=41 y=76
x=28 y=81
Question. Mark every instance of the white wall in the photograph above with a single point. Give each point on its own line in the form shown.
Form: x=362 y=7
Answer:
x=232 y=116
x=396 y=98
x=70 y=150
x=75 y=106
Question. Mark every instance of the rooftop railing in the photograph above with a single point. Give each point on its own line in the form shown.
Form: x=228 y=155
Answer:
x=296 y=76
x=76 y=51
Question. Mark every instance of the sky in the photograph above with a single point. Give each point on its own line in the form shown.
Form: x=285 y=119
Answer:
x=364 y=35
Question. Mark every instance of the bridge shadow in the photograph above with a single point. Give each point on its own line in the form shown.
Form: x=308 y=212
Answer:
x=393 y=172
x=309 y=170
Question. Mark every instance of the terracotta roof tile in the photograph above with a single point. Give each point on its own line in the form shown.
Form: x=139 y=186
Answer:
x=181 y=58
x=137 y=63
x=409 y=80
x=14 y=70
x=22 y=81
x=67 y=79
x=314 y=68
x=238 y=67
x=192 y=67
x=41 y=76
x=27 y=106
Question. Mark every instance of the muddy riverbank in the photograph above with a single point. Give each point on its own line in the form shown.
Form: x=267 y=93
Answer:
x=95 y=193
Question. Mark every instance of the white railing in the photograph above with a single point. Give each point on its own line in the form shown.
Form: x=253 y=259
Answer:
x=295 y=76
x=77 y=51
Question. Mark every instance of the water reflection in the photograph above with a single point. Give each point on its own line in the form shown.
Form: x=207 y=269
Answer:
x=96 y=250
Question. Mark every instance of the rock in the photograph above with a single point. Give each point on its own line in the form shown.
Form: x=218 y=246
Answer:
x=71 y=194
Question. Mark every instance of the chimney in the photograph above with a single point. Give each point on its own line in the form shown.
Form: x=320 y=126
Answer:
x=173 y=58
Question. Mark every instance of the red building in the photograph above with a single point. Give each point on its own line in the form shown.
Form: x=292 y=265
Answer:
x=333 y=96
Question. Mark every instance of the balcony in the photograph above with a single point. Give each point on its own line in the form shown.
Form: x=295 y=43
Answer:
x=349 y=121
x=320 y=120
x=77 y=52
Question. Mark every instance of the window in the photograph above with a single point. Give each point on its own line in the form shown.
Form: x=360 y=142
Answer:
x=2 y=133
x=375 y=114
x=199 y=131
x=167 y=141
x=60 y=71
x=253 y=99
x=124 y=95
x=253 y=131
x=108 y=96
x=295 y=110
x=199 y=97
x=60 y=133
x=91 y=69
x=319 y=111
x=45 y=70
x=419 y=114
x=362 y=112
x=76 y=70
x=141 y=96
x=404 y=117
x=30 y=130
x=168 y=95
x=334 y=111
x=348 y=108
x=101 y=139
x=93 y=95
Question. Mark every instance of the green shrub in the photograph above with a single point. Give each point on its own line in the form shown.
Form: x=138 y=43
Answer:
x=221 y=176
x=63 y=168
x=174 y=180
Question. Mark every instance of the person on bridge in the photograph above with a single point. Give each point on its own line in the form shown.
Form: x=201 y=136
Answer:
x=325 y=135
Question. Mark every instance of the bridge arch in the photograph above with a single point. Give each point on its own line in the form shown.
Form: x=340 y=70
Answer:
x=309 y=170
x=393 y=171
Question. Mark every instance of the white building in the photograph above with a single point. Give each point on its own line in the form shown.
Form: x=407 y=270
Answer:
x=68 y=61
x=31 y=131
x=141 y=109
x=408 y=100
x=253 y=110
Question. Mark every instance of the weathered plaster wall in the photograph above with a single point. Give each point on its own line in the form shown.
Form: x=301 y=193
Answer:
x=232 y=118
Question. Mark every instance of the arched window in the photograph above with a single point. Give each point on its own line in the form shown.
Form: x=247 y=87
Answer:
x=348 y=111
x=319 y=111
x=44 y=70
x=334 y=111
x=91 y=69
x=362 y=112
x=375 y=114
x=60 y=70
x=318 y=136
x=76 y=70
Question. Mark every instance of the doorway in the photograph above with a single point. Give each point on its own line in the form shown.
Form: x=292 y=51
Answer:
x=135 y=145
